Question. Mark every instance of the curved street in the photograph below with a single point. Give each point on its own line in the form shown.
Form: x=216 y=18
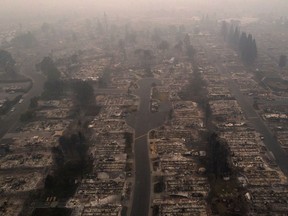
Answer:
x=143 y=121
x=10 y=120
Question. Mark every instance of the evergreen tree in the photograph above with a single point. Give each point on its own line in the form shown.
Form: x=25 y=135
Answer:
x=224 y=30
x=231 y=35
x=242 y=42
x=84 y=93
x=7 y=63
x=164 y=45
x=282 y=61
x=246 y=45
x=236 y=37
x=187 y=41
x=248 y=48
x=191 y=52
x=25 y=40
x=49 y=68
x=254 y=49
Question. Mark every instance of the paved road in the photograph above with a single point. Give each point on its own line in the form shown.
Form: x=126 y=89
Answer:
x=142 y=122
x=269 y=140
x=259 y=125
x=10 y=120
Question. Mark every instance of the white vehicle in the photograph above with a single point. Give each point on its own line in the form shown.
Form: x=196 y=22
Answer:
x=13 y=109
x=20 y=101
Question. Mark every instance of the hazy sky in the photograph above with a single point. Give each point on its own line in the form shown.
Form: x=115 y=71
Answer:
x=13 y=9
x=68 y=4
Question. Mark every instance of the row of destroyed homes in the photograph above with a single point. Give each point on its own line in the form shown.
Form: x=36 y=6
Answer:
x=179 y=183
x=266 y=188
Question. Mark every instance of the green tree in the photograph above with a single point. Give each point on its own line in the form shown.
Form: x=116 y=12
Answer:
x=218 y=154
x=191 y=52
x=236 y=37
x=224 y=30
x=179 y=46
x=131 y=37
x=7 y=63
x=27 y=116
x=53 y=89
x=48 y=67
x=242 y=42
x=282 y=61
x=231 y=35
x=25 y=40
x=246 y=45
x=145 y=57
x=105 y=78
x=248 y=48
x=84 y=93
x=254 y=49
x=187 y=41
x=163 y=45
x=34 y=102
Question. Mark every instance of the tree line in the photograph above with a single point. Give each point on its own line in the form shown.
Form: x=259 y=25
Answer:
x=7 y=63
x=244 y=43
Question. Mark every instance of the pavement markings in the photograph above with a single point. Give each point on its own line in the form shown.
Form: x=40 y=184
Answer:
x=139 y=137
